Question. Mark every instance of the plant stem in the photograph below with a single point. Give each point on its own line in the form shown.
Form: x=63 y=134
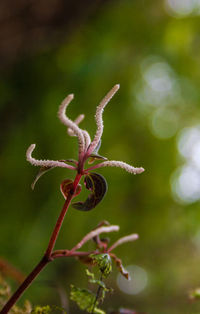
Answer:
x=58 y=226
x=61 y=217
x=24 y=285
x=97 y=296
x=47 y=256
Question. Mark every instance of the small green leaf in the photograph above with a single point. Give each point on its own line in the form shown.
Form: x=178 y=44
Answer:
x=97 y=184
x=103 y=261
x=97 y=148
x=89 y=274
x=93 y=280
x=73 y=161
x=42 y=171
x=98 y=282
x=85 y=299
x=94 y=157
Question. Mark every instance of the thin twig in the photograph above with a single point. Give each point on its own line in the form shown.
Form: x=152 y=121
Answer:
x=93 y=234
x=97 y=295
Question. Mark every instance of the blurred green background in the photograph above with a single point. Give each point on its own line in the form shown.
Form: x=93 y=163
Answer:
x=52 y=48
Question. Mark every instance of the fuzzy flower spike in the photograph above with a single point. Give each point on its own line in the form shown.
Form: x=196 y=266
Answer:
x=99 y=118
x=88 y=150
x=98 y=135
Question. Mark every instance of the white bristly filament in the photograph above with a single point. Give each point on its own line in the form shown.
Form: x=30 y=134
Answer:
x=93 y=234
x=45 y=163
x=99 y=119
x=69 y=123
x=128 y=238
x=120 y=164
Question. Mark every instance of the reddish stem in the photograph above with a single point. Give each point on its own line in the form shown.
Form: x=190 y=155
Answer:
x=58 y=226
x=61 y=217
x=47 y=256
x=24 y=285
x=66 y=253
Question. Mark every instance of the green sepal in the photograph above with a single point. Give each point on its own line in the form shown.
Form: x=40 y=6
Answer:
x=43 y=170
x=104 y=262
x=95 y=151
x=93 y=157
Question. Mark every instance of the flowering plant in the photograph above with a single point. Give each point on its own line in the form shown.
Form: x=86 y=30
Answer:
x=87 y=152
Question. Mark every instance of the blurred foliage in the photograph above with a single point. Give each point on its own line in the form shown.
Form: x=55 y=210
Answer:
x=154 y=54
x=86 y=299
x=195 y=294
x=5 y=293
x=42 y=310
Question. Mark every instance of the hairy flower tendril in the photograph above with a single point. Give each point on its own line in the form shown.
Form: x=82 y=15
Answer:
x=88 y=151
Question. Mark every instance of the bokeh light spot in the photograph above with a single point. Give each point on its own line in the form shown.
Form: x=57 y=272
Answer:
x=136 y=284
x=164 y=123
x=158 y=84
x=181 y=8
x=185 y=184
x=158 y=78
x=189 y=145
